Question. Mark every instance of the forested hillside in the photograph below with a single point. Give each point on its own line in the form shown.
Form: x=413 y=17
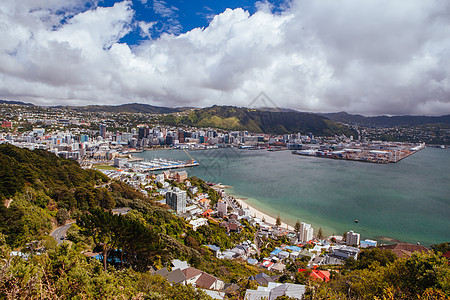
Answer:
x=258 y=121
x=37 y=185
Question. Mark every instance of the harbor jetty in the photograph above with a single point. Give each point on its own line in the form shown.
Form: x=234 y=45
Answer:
x=382 y=153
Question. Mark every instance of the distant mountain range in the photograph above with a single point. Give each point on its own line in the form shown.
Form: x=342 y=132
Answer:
x=15 y=102
x=130 y=108
x=385 y=121
x=282 y=119
x=255 y=120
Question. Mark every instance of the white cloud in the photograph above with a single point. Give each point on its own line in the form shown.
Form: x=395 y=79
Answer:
x=370 y=57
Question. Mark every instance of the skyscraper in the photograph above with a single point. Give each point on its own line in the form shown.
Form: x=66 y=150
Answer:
x=352 y=238
x=176 y=199
x=306 y=232
x=103 y=131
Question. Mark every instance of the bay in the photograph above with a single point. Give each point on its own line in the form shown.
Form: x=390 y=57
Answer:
x=407 y=201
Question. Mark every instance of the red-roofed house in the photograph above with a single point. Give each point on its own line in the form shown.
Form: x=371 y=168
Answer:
x=207 y=213
x=267 y=264
x=320 y=275
x=204 y=202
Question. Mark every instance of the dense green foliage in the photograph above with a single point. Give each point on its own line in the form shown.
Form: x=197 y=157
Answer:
x=368 y=257
x=422 y=276
x=42 y=170
x=49 y=190
x=441 y=248
x=36 y=184
x=65 y=274
x=237 y=118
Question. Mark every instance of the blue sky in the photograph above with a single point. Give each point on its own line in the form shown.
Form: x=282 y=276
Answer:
x=370 y=57
x=177 y=17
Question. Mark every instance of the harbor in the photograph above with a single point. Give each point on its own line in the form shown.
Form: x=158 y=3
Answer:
x=373 y=153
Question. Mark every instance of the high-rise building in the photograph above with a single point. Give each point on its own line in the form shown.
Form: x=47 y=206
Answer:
x=176 y=199
x=103 y=131
x=306 y=232
x=143 y=132
x=169 y=140
x=353 y=238
x=222 y=208
x=84 y=138
x=181 y=136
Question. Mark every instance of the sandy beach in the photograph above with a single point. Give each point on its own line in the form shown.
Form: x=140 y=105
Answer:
x=259 y=214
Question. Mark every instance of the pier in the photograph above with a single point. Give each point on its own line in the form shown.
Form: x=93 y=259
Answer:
x=373 y=153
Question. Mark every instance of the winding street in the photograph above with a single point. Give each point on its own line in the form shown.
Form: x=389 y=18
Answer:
x=60 y=232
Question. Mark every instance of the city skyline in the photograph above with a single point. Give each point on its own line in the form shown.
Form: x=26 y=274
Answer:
x=370 y=58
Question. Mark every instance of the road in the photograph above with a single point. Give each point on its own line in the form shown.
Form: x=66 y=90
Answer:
x=60 y=232
x=231 y=203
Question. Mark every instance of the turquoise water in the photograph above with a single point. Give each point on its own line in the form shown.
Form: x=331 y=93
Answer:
x=408 y=201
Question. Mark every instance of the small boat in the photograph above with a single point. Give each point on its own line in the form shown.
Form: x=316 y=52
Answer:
x=356 y=221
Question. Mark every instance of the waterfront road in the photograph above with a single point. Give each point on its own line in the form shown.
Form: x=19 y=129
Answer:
x=59 y=234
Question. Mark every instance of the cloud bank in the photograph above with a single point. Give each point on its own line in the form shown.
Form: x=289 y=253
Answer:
x=370 y=57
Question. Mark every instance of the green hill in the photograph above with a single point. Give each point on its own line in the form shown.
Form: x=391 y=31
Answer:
x=259 y=121
x=386 y=121
x=36 y=186
x=128 y=108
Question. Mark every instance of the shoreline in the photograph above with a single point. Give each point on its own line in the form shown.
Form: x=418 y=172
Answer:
x=260 y=215
x=270 y=213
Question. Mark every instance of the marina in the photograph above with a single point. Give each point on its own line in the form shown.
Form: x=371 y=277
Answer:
x=156 y=164
x=164 y=164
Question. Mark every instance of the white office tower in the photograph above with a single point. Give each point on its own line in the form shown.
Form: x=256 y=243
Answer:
x=176 y=199
x=306 y=232
x=352 y=238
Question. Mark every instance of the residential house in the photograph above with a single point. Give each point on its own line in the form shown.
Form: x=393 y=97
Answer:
x=275 y=290
x=215 y=250
x=267 y=264
x=204 y=202
x=345 y=252
x=209 y=282
x=279 y=267
x=178 y=264
x=320 y=275
x=176 y=277
x=181 y=176
x=368 y=244
x=283 y=255
x=262 y=279
x=192 y=275
x=198 y=222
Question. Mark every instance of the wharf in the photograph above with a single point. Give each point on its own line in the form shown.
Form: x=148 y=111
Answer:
x=391 y=155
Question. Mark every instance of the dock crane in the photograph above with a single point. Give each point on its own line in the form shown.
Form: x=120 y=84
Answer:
x=189 y=155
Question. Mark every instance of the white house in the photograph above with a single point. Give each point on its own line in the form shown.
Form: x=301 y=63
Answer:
x=198 y=222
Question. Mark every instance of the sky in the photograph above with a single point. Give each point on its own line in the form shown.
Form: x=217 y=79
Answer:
x=370 y=57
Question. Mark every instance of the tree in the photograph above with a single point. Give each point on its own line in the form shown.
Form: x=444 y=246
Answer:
x=442 y=248
x=278 y=221
x=62 y=216
x=367 y=257
x=297 y=226
x=102 y=226
x=320 y=234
